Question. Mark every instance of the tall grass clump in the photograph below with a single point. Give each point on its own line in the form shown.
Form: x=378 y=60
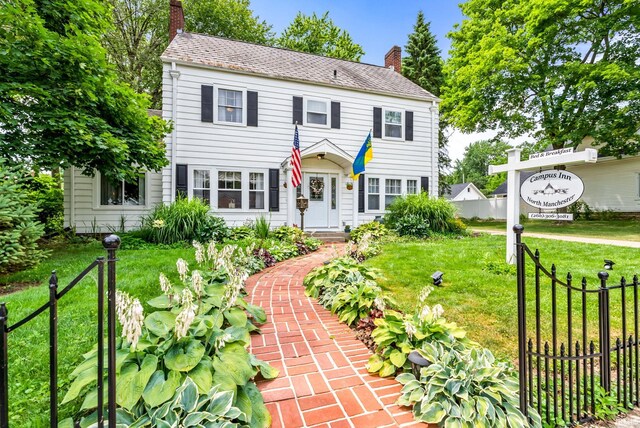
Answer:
x=262 y=227
x=183 y=220
x=422 y=216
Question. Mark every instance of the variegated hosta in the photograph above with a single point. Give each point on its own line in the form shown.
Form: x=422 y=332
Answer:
x=464 y=389
x=190 y=366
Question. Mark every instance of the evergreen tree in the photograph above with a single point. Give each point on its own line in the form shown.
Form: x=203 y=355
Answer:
x=423 y=66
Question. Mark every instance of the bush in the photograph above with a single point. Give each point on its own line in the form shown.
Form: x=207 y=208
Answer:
x=410 y=214
x=184 y=220
x=375 y=229
x=46 y=193
x=288 y=233
x=241 y=232
x=19 y=226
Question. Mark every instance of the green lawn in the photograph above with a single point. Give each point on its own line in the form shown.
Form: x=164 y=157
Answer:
x=484 y=302
x=627 y=230
x=29 y=345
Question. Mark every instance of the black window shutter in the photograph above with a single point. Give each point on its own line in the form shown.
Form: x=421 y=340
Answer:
x=252 y=108
x=182 y=181
x=335 y=114
x=297 y=110
x=274 y=189
x=424 y=184
x=361 y=193
x=408 y=126
x=206 y=103
x=377 y=122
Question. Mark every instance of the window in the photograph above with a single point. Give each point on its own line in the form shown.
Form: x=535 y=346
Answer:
x=256 y=190
x=392 y=189
x=202 y=185
x=230 y=106
x=334 y=193
x=230 y=189
x=392 y=124
x=374 y=194
x=412 y=187
x=122 y=192
x=317 y=112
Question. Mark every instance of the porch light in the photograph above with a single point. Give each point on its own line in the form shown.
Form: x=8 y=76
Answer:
x=320 y=156
x=437 y=277
x=608 y=264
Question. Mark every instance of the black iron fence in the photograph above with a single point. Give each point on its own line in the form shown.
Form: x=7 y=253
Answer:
x=565 y=368
x=111 y=244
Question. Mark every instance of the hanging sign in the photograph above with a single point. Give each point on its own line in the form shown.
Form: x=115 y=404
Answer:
x=552 y=189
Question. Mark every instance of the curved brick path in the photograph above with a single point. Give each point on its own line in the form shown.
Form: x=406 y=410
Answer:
x=323 y=381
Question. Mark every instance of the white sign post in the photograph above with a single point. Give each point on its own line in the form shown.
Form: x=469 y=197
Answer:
x=513 y=167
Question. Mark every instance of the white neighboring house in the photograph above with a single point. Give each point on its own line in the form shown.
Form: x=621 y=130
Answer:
x=464 y=192
x=233 y=106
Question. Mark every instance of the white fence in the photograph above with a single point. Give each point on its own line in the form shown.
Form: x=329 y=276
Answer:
x=488 y=208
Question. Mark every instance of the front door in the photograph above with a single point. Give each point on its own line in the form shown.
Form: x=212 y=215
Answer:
x=321 y=190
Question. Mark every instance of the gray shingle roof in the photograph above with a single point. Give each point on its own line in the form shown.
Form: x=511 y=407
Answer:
x=455 y=189
x=502 y=189
x=280 y=63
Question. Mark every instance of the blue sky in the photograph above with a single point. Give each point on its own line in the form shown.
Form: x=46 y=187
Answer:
x=375 y=25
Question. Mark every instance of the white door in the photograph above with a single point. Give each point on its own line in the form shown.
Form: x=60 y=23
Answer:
x=317 y=189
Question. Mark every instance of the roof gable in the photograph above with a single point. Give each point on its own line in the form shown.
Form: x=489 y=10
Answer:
x=278 y=63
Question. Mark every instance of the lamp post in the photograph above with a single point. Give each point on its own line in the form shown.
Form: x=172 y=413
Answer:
x=302 y=204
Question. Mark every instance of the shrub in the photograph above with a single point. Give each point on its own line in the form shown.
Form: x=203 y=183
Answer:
x=241 y=232
x=406 y=214
x=19 y=226
x=580 y=210
x=288 y=233
x=262 y=227
x=312 y=243
x=46 y=193
x=464 y=388
x=187 y=361
x=183 y=220
x=375 y=229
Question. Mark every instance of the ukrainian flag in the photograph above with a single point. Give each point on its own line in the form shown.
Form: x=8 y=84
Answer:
x=364 y=156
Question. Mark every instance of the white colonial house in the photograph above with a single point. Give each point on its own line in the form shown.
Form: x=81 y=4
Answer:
x=234 y=106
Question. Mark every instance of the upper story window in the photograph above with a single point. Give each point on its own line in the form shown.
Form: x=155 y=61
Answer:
x=317 y=112
x=393 y=124
x=230 y=106
x=122 y=192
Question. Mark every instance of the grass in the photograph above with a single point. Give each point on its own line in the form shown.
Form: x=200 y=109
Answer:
x=479 y=290
x=625 y=230
x=138 y=272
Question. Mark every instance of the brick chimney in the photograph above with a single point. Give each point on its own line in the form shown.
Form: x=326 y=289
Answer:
x=176 y=18
x=393 y=59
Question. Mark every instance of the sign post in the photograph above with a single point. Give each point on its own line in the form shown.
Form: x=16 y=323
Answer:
x=514 y=166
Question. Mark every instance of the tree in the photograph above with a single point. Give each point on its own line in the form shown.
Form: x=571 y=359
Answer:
x=61 y=103
x=319 y=35
x=140 y=35
x=559 y=70
x=478 y=156
x=423 y=66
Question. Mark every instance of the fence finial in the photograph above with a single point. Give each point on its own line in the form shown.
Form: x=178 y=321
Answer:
x=53 y=279
x=603 y=275
x=518 y=228
x=111 y=242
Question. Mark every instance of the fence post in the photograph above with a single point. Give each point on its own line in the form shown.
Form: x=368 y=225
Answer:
x=111 y=244
x=53 y=348
x=100 y=380
x=4 y=367
x=603 y=326
x=522 y=320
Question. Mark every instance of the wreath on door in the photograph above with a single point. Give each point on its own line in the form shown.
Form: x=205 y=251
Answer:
x=316 y=185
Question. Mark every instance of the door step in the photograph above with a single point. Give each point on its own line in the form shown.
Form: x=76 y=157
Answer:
x=330 y=237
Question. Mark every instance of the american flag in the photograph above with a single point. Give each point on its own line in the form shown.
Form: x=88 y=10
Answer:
x=296 y=162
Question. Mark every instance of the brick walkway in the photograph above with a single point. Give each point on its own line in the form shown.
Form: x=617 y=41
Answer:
x=323 y=381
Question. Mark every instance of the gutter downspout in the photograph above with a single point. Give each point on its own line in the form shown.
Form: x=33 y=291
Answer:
x=175 y=74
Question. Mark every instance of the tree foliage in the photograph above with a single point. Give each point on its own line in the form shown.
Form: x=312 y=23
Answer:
x=478 y=156
x=232 y=19
x=423 y=66
x=319 y=35
x=559 y=70
x=61 y=103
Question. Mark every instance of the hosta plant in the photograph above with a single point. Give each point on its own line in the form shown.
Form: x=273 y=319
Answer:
x=198 y=335
x=397 y=334
x=376 y=229
x=335 y=273
x=465 y=388
x=356 y=300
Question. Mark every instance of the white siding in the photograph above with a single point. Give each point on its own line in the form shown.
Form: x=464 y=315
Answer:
x=611 y=184
x=222 y=146
x=492 y=208
x=90 y=217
